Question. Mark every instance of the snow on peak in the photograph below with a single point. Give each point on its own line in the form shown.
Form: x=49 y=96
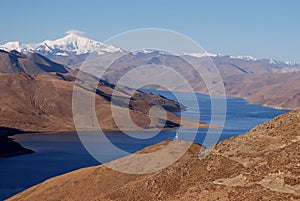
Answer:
x=208 y=54
x=272 y=61
x=290 y=63
x=74 y=43
x=276 y=62
x=201 y=54
x=244 y=58
x=151 y=51
x=247 y=58
x=15 y=45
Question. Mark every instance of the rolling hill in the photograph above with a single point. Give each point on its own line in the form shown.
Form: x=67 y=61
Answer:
x=43 y=103
x=262 y=164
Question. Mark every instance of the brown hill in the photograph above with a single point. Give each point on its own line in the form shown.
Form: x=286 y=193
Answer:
x=273 y=90
x=269 y=89
x=262 y=164
x=255 y=80
x=44 y=103
x=14 y=62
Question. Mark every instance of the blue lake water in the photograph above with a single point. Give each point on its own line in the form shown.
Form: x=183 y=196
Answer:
x=60 y=153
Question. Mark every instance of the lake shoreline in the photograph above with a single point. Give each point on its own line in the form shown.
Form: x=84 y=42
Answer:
x=65 y=152
x=202 y=125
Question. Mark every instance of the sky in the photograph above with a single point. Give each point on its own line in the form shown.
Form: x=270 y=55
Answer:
x=259 y=28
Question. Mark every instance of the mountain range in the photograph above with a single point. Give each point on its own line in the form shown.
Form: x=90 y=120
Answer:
x=72 y=44
x=261 y=81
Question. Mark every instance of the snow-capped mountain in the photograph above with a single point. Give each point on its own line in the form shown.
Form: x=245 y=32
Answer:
x=77 y=46
x=74 y=43
x=242 y=58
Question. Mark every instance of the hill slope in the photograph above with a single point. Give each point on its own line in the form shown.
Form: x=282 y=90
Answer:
x=14 y=62
x=273 y=90
x=256 y=80
x=44 y=103
x=263 y=164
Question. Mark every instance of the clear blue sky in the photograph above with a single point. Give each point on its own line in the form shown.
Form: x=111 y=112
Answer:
x=260 y=28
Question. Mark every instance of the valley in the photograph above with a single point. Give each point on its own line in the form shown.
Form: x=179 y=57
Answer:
x=38 y=82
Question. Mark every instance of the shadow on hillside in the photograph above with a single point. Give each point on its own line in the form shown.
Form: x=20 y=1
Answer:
x=5 y=131
x=8 y=147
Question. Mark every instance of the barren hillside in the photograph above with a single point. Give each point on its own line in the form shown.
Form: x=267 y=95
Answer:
x=263 y=164
x=44 y=103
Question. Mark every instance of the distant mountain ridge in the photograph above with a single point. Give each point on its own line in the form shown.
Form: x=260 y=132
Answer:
x=243 y=76
x=74 y=44
x=71 y=44
x=245 y=58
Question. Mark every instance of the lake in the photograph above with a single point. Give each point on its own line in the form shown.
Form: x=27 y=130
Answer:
x=60 y=153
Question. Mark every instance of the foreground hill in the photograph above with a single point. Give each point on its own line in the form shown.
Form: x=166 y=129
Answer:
x=263 y=164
